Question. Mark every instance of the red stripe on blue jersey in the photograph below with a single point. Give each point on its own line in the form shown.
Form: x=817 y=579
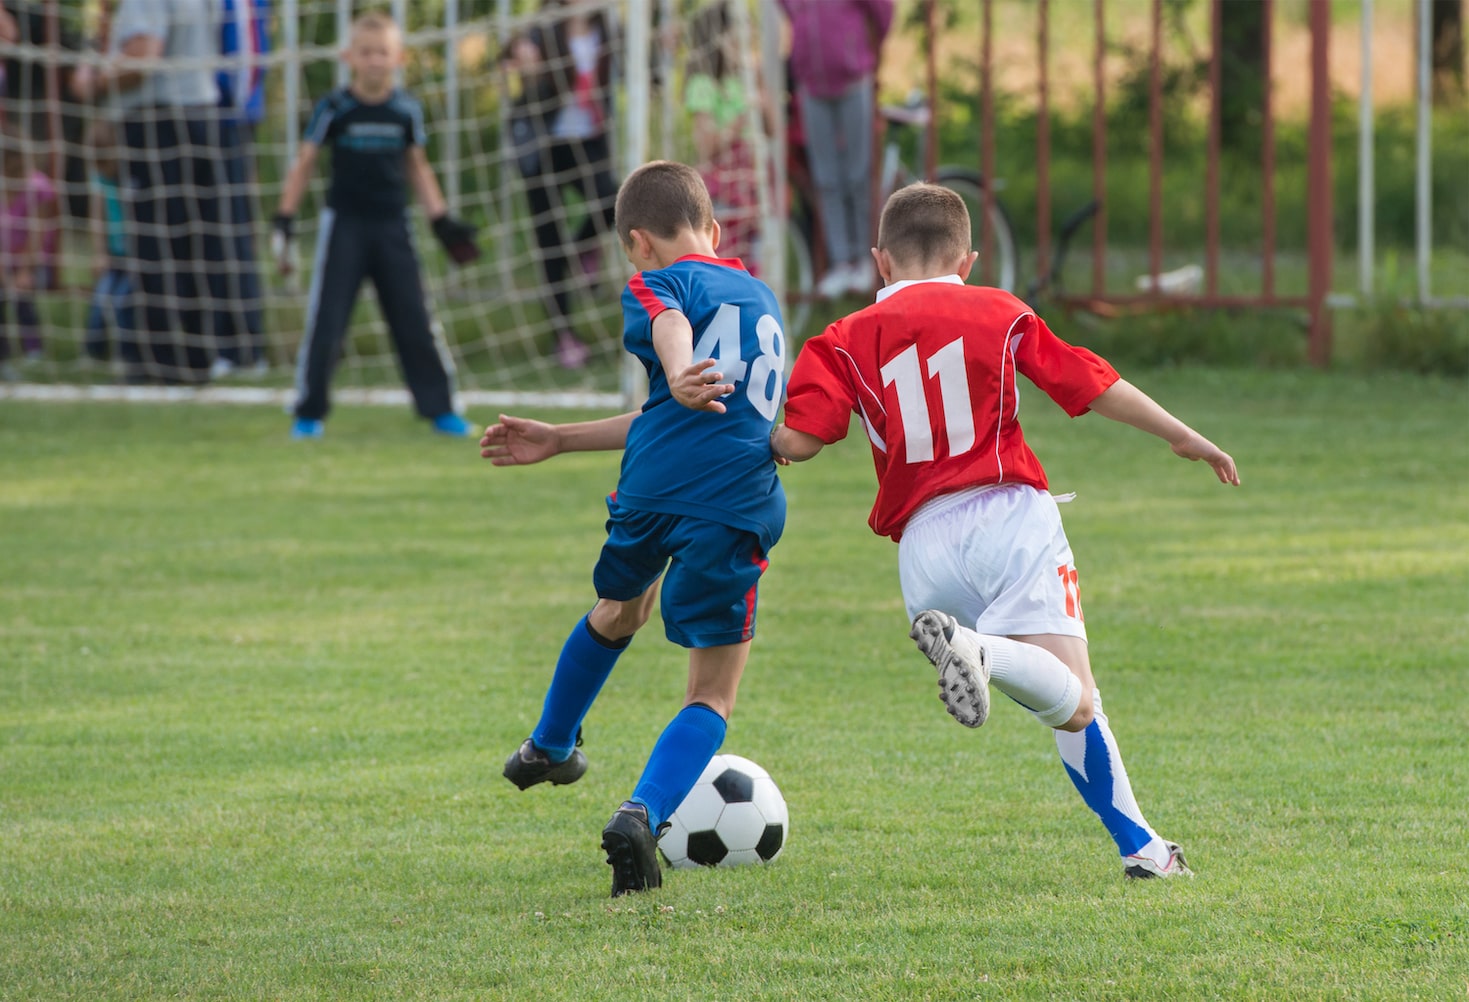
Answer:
x=646 y=297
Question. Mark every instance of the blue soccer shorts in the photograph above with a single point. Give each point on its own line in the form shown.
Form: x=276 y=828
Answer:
x=711 y=573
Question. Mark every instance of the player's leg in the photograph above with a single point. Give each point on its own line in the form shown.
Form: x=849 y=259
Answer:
x=396 y=274
x=336 y=276
x=981 y=566
x=1093 y=760
x=709 y=602
x=626 y=581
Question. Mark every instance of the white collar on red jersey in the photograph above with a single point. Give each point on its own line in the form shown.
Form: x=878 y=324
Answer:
x=888 y=290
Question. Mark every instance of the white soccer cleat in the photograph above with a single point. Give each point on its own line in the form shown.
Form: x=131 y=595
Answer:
x=1142 y=868
x=962 y=663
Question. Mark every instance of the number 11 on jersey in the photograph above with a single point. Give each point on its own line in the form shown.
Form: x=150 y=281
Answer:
x=904 y=375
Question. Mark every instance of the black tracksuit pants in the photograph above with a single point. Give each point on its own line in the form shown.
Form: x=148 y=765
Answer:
x=348 y=249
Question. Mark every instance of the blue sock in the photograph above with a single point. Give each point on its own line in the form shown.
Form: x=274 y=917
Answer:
x=1094 y=762
x=683 y=750
x=580 y=672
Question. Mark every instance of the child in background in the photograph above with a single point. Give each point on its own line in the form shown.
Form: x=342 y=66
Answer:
x=376 y=134
x=111 y=312
x=987 y=573
x=30 y=234
x=715 y=97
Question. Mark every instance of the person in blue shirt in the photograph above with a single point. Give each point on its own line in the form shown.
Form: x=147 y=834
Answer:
x=244 y=39
x=698 y=503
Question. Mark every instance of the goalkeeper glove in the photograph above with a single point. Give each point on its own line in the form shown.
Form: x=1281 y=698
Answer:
x=457 y=237
x=283 y=243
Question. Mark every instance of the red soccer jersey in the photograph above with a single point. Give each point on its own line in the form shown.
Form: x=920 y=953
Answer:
x=930 y=371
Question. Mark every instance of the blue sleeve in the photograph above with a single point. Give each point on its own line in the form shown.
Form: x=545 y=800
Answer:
x=318 y=130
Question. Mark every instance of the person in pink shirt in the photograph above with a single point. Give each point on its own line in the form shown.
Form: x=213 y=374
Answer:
x=835 y=46
x=29 y=237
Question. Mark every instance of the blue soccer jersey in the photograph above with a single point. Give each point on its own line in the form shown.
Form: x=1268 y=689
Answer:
x=685 y=462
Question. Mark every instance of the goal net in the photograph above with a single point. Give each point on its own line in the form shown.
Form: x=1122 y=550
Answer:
x=533 y=113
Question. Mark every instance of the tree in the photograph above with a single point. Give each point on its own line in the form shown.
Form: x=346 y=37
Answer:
x=1446 y=29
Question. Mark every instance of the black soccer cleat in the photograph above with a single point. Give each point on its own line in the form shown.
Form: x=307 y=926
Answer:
x=632 y=850
x=530 y=765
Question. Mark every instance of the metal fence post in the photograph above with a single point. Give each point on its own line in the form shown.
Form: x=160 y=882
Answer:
x=1319 y=240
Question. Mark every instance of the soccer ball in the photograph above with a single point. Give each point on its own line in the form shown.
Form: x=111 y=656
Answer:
x=733 y=815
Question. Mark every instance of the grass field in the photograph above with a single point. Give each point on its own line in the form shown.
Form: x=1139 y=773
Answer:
x=255 y=696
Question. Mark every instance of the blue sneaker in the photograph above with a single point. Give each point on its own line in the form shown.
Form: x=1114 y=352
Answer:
x=304 y=427
x=453 y=424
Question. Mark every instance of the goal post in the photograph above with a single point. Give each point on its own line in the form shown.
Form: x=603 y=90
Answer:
x=497 y=317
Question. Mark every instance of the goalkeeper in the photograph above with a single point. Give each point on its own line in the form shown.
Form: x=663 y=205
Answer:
x=376 y=133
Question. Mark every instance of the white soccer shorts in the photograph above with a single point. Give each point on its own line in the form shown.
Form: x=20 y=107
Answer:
x=994 y=558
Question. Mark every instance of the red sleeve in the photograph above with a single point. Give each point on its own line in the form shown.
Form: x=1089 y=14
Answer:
x=821 y=394
x=1070 y=375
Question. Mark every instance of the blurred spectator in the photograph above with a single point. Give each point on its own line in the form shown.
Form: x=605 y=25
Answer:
x=159 y=79
x=244 y=37
x=110 y=318
x=834 y=56
x=715 y=96
x=559 y=131
x=29 y=237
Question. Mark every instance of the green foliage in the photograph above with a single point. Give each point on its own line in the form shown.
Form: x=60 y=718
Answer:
x=1197 y=337
x=256 y=695
x=1412 y=339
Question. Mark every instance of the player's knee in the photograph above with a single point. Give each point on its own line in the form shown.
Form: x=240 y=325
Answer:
x=1083 y=716
x=618 y=620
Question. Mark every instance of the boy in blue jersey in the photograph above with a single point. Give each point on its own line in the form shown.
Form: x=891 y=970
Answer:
x=698 y=502
x=376 y=134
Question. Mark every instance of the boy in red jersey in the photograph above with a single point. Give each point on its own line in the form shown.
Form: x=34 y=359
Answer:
x=986 y=570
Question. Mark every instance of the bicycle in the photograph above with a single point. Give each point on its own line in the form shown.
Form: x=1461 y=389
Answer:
x=805 y=248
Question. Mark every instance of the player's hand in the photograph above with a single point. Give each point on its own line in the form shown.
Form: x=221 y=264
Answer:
x=1197 y=447
x=283 y=243
x=699 y=388
x=519 y=441
x=457 y=237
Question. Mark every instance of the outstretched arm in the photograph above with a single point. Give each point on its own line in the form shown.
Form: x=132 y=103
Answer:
x=1126 y=403
x=793 y=446
x=515 y=441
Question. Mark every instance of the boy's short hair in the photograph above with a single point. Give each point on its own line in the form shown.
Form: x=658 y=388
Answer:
x=662 y=198
x=372 y=21
x=924 y=223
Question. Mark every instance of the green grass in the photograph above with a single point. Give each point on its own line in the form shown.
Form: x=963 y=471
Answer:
x=255 y=695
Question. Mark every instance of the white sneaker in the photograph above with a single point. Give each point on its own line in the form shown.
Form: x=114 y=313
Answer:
x=862 y=278
x=1143 y=868
x=964 y=673
x=835 y=283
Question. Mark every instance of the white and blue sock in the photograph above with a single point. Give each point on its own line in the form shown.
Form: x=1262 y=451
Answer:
x=683 y=750
x=581 y=671
x=1094 y=762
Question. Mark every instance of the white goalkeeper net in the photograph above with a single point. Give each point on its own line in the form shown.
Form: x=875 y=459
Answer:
x=534 y=112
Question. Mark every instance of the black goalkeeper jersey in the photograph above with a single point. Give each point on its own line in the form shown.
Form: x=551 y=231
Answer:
x=369 y=144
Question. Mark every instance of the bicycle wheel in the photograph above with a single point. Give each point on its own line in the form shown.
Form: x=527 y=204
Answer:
x=800 y=280
x=1001 y=270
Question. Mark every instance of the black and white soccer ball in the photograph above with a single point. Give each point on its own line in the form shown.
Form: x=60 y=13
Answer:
x=735 y=814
